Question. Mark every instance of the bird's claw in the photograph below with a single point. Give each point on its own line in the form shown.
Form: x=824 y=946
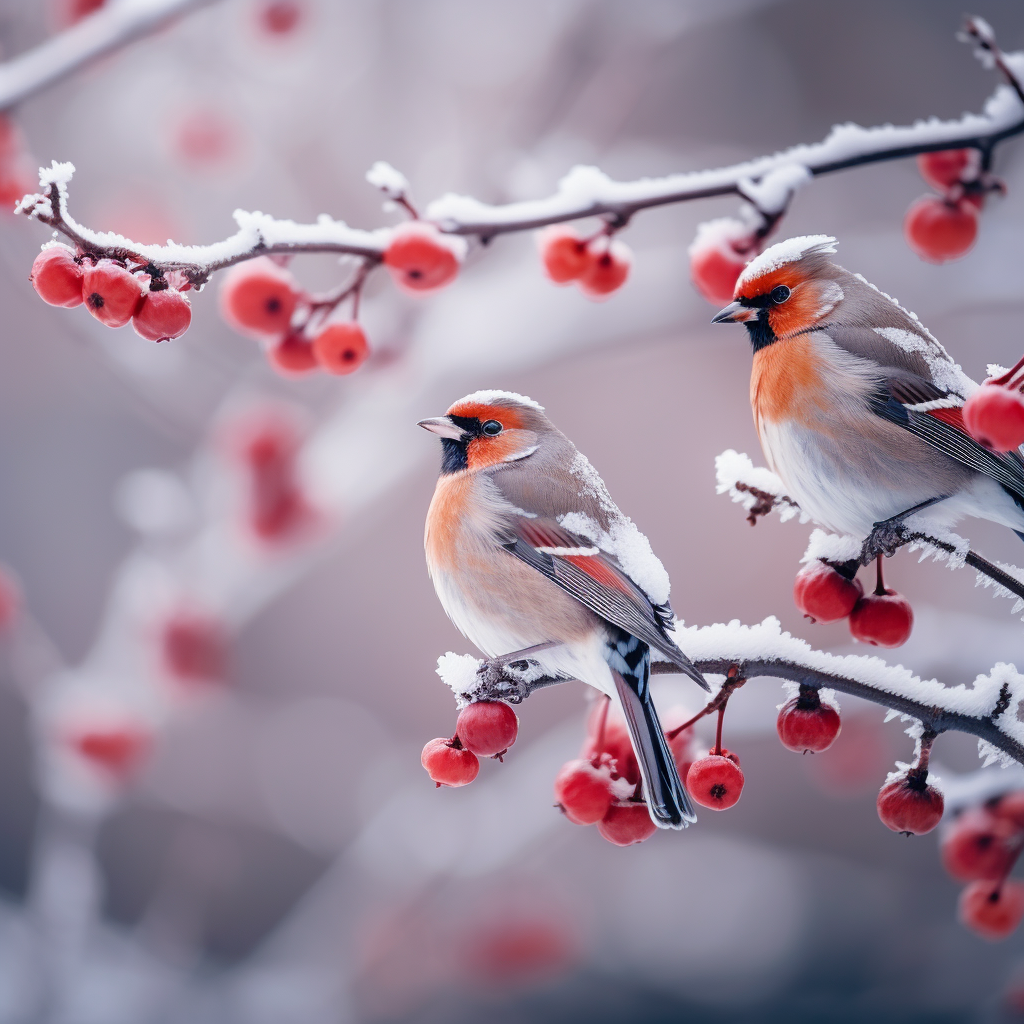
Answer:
x=498 y=682
x=886 y=538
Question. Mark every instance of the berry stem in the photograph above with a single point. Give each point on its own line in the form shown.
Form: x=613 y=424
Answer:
x=880 y=585
x=1010 y=374
x=599 y=745
x=732 y=683
x=718 y=730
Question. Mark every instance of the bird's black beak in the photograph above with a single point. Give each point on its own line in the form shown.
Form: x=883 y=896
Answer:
x=735 y=313
x=443 y=427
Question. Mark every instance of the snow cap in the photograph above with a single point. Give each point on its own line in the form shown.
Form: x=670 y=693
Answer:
x=490 y=397
x=789 y=251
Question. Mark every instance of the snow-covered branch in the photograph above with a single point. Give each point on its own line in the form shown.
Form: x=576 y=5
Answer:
x=767 y=183
x=988 y=710
x=113 y=26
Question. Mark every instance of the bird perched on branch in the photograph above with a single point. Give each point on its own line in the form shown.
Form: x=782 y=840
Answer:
x=531 y=558
x=858 y=407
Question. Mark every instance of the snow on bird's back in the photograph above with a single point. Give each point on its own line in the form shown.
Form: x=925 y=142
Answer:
x=622 y=539
x=789 y=251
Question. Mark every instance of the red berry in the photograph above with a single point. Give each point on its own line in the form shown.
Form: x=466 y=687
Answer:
x=992 y=909
x=421 y=258
x=584 y=791
x=715 y=781
x=258 y=298
x=823 y=594
x=292 y=355
x=66 y=13
x=882 y=620
x=279 y=17
x=627 y=824
x=682 y=742
x=805 y=725
x=194 y=647
x=979 y=845
x=341 y=348
x=1010 y=807
x=448 y=763
x=57 y=277
x=615 y=743
x=946 y=167
x=939 y=229
x=907 y=805
x=994 y=415
x=10 y=598
x=607 y=269
x=487 y=727
x=117 y=751
x=206 y=137
x=163 y=315
x=714 y=270
x=111 y=293
x=563 y=253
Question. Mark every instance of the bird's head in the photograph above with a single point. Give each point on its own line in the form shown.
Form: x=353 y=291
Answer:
x=789 y=289
x=488 y=428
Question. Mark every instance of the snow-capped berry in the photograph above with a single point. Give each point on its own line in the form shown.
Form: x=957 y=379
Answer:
x=939 y=229
x=979 y=845
x=823 y=594
x=194 y=647
x=448 y=763
x=715 y=781
x=258 y=298
x=1010 y=807
x=882 y=620
x=563 y=253
x=111 y=293
x=279 y=17
x=421 y=258
x=57 y=278
x=584 y=791
x=116 y=750
x=714 y=271
x=293 y=354
x=994 y=415
x=163 y=315
x=627 y=824
x=947 y=167
x=910 y=806
x=805 y=725
x=607 y=268
x=341 y=348
x=487 y=727
x=992 y=909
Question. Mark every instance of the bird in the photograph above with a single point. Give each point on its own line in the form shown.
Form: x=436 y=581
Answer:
x=529 y=555
x=858 y=407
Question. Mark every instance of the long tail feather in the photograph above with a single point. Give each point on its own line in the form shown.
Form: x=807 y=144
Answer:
x=667 y=799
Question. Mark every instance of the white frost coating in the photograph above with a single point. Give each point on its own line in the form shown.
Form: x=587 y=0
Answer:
x=490 y=397
x=732 y=469
x=789 y=251
x=831 y=547
x=728 y=235
x=459 y=671
x=955 y=559
x=944 y=372
x=622 y=539
x=772 y=194
x=392 y=183
x=586 y=190
x=998 y=590
x=995 y=370
x=993 y=755
x=825 y=695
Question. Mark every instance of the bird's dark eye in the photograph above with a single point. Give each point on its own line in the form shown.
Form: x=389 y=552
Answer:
x=491 y=427
x=779 y=293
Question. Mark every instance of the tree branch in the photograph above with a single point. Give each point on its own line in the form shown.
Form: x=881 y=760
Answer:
x=110 y=28
x=768 y=183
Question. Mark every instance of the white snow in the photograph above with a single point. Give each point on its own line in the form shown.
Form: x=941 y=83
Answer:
x=732 y=468
x=392 y=183
x=788 y=251
x=622 y=539
x=729 y=235
x=459 y=671
x=944 y=372
x=490 y=397
x=772 y=194
x=831 y=547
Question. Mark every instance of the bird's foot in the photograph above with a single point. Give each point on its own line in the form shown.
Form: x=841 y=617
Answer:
x=886 y=538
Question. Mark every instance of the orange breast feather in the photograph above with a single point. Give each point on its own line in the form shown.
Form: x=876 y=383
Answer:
x=786 y=382
x=445 y=519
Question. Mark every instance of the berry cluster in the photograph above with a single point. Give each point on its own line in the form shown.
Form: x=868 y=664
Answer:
x=113 y=292
x=980 y=847
x=484 y=729
x=193 y=647
x=827 y=593
x=994 y=414
x=944 y=227
x=599 y=265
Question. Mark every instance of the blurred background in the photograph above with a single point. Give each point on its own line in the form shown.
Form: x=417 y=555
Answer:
x=248 y=836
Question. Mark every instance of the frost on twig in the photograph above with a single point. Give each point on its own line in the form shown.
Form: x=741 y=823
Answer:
x=988 y=709
x=761 y=492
